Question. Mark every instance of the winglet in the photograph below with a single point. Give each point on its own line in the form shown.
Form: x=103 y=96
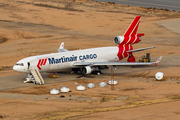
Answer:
x=61 y=46
x=158 y=60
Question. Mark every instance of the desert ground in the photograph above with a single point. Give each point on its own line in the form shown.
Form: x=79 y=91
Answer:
x=35 y=27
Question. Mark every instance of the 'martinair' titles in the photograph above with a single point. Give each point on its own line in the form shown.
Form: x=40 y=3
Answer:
x=70 y=59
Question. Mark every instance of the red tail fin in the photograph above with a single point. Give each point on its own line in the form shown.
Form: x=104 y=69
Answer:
x=131 y=31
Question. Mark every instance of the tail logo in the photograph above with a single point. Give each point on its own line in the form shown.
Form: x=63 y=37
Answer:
x=41 y=63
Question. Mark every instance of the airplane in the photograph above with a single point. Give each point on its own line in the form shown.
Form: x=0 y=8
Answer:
x=88 y=60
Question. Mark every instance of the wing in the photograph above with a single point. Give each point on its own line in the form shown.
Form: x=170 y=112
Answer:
x=141 y=49
x=115 y=63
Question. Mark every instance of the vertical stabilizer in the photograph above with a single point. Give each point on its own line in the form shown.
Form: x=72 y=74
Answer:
x=131 y=31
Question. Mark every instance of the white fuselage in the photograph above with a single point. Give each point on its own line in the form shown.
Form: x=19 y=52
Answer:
x=64 y=60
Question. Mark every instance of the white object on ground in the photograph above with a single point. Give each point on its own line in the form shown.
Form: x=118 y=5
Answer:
x=80 y=87
x=159 y=76
x=102 y=84
x=64 y=89
x=90 y=85
x=115 y=82
x=54 y=91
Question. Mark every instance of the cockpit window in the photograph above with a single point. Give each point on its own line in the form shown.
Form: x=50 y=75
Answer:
x=20 y=64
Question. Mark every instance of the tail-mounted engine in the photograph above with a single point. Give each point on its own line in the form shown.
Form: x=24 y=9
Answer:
x=120 y=40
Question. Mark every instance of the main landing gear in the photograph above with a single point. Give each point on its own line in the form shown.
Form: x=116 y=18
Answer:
x=96 y=72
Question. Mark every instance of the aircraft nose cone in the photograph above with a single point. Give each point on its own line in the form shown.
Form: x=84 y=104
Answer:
x=20 y=69
x=15 y=68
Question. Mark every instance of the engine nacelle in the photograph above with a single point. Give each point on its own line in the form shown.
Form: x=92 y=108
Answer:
x=127 y=39
x=86 y=70
x=118 y=39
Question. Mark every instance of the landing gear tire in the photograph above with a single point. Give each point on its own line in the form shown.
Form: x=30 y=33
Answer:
x=98 y=73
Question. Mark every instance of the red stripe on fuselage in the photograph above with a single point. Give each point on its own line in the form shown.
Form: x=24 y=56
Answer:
x=45 y=61
x=39 y=64
x=122 y=51
x=42 y=62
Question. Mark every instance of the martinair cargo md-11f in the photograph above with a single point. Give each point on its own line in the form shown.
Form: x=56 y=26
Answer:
x=88 y=60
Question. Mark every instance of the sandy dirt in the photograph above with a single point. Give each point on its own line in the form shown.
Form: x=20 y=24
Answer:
x=34 y=27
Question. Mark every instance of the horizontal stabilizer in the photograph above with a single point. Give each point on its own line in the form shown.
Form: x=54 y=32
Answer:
x=141 y=49
x=140 y=34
